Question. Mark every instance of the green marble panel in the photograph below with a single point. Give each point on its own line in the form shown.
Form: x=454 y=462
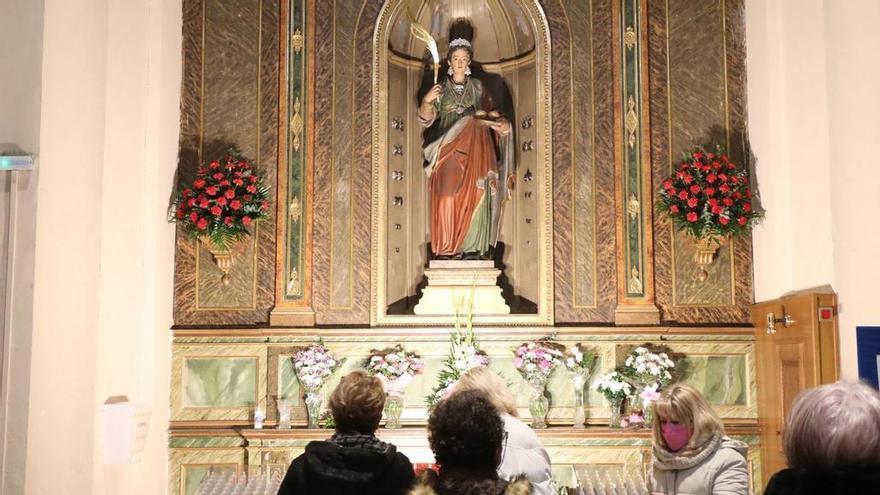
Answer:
x=721 y=379
x=220 y=382
x=288 y=385
x=196 y=442
x=193 y=475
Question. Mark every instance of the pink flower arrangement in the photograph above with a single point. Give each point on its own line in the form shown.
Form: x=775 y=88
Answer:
x=314 y=364
x=395 y=367
x=535 y=361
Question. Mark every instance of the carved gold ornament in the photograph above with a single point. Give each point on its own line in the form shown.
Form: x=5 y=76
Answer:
x=293 y=283
x=632 y=121
x=632 y=206
x=294 y=210
x=635 y=281
x=296 y=41
x=704 y=255
x=222 y=258
x=629 y=38
x=296 y=124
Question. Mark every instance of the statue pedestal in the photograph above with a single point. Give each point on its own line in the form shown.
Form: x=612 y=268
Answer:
x=451 y=284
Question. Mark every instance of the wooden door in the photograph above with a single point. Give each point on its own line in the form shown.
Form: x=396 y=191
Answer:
x=789 y=358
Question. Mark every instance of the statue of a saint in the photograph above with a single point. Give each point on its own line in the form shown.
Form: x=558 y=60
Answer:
x=468 y=153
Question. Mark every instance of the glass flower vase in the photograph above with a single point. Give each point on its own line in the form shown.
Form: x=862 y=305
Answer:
x=283 y=413
x=614 y=416
x=313 y=401
x=538 y=404
x=393 y=408
x=578 y=380
x=648 y=412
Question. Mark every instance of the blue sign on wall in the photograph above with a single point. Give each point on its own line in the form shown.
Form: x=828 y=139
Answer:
x=868 y=342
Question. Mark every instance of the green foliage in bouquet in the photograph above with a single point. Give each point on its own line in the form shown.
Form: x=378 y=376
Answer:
x=222 y=202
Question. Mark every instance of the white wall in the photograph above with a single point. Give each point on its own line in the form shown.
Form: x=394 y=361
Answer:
x=812 y=106
x=854 y=106
x=103 y=276
x=22 y=21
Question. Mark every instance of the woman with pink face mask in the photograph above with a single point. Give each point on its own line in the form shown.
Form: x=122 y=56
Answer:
x=691 y=454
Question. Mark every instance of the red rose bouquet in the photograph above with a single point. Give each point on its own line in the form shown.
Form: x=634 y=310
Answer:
x=224 y=199
x=708 y=197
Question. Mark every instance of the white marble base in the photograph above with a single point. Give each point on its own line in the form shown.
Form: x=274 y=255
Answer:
x=451 y=284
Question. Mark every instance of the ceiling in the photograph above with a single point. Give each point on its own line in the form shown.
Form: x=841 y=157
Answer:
x=502 y=28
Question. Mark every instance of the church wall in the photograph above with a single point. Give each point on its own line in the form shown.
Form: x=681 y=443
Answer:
x=811 y=102
x=21 y=20
x=698 y=99
x=103 y=275
x=229 y=99
x=854 y=103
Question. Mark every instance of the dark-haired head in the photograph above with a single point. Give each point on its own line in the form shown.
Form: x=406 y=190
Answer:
x=466 y=431
x=461 y=29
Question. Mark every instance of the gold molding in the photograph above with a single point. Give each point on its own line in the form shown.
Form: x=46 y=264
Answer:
x=633 y=207
x=632 y=121
x=630 y=38
x=298 y=312
x=296 y=124
x=296 y=41
x=543 y=121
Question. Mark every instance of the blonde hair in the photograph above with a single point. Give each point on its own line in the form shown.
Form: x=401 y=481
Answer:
x=688 y=406
x=357 y=402
x=487 y=381
x=836 y=425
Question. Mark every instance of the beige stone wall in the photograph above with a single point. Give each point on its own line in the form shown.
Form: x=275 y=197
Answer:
x=812 y=107
x=103 y=275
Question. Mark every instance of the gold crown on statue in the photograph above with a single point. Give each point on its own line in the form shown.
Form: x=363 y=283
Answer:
x=458 y=42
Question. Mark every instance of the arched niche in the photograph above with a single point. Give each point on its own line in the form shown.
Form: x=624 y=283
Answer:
x=512 y=40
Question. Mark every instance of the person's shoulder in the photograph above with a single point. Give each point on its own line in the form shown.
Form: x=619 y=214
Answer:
x=519 y=433
x=402 y=460
x=519 y=486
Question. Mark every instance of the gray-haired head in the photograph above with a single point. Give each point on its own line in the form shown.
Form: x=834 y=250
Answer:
x=832 y=426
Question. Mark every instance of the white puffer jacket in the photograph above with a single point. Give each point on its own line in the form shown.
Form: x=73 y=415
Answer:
x=524 y=454
x=718 y=469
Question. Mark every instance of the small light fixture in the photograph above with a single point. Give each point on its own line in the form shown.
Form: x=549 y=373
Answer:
x=13 y=158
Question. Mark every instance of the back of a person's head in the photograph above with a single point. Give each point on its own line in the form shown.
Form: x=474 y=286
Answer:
x=686 y=405
x=466 y=430
x=486 y=380
x=834 y=426
x=356 y=403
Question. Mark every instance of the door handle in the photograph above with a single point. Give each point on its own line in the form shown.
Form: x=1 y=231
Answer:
x=772 y=320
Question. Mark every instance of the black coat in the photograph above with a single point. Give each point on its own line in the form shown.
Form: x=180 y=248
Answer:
x=328 y=469
x=852 y=481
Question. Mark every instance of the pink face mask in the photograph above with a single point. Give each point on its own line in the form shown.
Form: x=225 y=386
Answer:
x=676 y=435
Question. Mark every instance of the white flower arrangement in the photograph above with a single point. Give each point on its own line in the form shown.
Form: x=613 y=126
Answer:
x=579 y=360
x=464 y=354
x=314 y=364
x=613 y=386
x=648 y=368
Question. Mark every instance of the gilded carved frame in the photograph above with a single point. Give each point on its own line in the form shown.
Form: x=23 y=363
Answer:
x=378 y=261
